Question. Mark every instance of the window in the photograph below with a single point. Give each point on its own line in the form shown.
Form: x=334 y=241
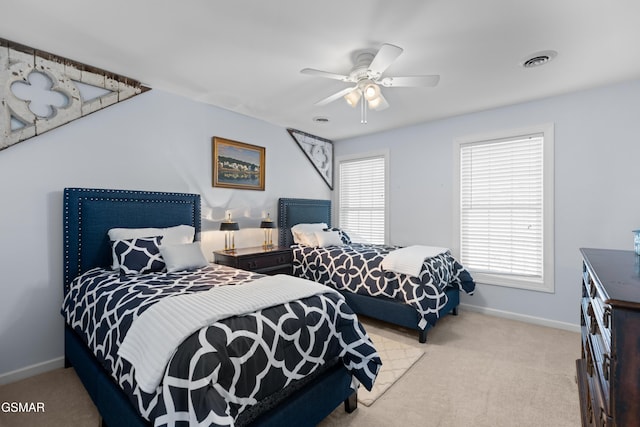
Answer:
x=505 y=208
x=362 y=201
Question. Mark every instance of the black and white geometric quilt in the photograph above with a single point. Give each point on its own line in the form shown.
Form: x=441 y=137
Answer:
x=356 y=268
x=223 y=369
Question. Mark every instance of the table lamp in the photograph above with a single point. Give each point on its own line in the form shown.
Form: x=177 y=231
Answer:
x=229 y=227
x=268 y=226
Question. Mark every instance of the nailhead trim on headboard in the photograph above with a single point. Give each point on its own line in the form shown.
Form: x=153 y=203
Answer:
x=320 y=211
x=81 y=196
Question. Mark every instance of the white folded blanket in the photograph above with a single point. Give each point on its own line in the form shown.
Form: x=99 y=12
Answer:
x=157 y=333
x=409 y=260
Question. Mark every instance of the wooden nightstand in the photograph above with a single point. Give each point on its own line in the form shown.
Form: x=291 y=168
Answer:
x=278 y=260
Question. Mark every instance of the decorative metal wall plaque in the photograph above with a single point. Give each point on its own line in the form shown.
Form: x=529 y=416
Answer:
x=40 y=91
x=319 y=151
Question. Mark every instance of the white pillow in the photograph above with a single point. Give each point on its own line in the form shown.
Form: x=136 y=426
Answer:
x=179 y=234
x=328 y=238
x=183 y=257
x=303 y=234
x=306 y=239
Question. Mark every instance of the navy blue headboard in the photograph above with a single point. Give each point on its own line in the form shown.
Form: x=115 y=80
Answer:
x=300 y=211
x=90 y=213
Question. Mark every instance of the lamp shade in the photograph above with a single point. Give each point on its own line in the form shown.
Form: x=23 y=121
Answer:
x=371 y=91
x=229 y=226
x=267 y=222
x=353 y=97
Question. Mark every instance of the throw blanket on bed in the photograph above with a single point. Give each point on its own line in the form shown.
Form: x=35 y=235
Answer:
x=357 y=268
x=221 y=371
x=410 y=260
x=154 y=336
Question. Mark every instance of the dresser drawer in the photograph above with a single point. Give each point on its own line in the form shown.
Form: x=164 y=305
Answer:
x=599 y=409
x=599 y=311
x=596 y=355
x=584 y=393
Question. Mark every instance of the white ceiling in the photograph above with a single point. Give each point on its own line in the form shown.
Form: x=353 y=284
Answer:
x=246 y=55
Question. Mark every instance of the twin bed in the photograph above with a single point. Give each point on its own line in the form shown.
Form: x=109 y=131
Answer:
x=357 y=271
x=286 y=363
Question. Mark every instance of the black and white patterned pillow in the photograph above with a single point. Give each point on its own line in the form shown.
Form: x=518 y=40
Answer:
x=346 y=240
x=141 y=255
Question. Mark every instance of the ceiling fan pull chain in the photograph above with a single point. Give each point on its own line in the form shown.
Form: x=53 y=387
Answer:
x=363 y=115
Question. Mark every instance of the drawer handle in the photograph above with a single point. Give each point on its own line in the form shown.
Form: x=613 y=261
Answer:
x=589 y=364
x=603 y=417
x=593 y=325
x=606 y=365
x=253 y=264
x=606 y=317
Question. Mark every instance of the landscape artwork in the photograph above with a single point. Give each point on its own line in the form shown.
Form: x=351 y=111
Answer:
x=238 y=165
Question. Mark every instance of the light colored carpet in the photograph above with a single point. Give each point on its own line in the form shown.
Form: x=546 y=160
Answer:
x=480 y=371
x=397 y=358
x=66 y=402
x=477 y=370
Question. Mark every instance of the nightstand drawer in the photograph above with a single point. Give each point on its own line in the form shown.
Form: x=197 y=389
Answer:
x=266 y=262
x=277 y=260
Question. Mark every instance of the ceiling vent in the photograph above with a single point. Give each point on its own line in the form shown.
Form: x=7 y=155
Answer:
x=539 y=58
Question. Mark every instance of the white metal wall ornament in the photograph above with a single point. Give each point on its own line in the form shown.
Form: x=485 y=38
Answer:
x=319 y=151
x=62 y=92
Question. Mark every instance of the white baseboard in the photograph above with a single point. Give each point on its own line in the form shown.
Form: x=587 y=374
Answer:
x=32 y=370
x=523 y=318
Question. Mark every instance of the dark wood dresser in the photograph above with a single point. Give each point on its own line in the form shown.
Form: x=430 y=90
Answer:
x=609 y=369
x=276 y=260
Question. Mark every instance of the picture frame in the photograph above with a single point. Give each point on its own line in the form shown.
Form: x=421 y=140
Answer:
x=238 y=165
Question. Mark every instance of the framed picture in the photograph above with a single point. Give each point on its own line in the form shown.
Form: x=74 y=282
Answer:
x=237 y=165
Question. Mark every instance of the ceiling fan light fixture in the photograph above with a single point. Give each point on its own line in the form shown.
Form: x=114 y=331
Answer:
x=374 y=103
x=353 y=97
x=371 y=91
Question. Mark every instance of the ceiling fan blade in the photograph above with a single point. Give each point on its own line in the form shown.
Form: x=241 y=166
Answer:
x=326 y=74
x=411 y=81
x=385 y=56
x=335 y=96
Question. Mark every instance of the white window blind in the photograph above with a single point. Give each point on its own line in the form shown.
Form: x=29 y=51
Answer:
x=502 y=207
x=362 y=198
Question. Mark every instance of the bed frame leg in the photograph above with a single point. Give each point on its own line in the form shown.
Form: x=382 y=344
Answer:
x=422 y=336
x=455 y=311
x=351 y=403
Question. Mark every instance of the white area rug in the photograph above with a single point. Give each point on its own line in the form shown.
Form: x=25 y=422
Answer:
x=397 y=358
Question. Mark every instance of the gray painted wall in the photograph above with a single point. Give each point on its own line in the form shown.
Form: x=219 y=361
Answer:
x=597 y=186
x=155 y=141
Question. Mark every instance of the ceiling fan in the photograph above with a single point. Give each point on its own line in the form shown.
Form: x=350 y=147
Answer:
x=366 y=74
